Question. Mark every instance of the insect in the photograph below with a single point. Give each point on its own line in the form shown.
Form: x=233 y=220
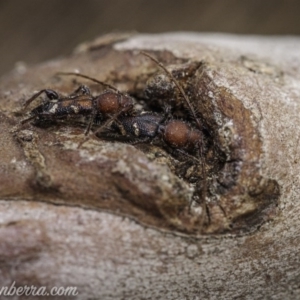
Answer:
x=185 y=138
x=109 y=104
x=147 y=126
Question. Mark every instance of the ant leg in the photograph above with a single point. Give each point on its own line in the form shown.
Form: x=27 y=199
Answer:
x=88 y=129
x=28 y=119
x=207 y=212
x=188 y=155
x=141 y=141
x=93 y=116
x=48 y=117
x=222 y=209
x=113 y=136
x=51 y=94
x=203 y=191
x=98 y=131
x=113 y=118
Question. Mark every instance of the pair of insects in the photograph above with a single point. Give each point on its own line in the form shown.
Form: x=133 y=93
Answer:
x=116 y=110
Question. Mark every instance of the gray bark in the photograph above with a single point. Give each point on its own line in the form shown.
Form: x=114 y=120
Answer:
x=105 y=217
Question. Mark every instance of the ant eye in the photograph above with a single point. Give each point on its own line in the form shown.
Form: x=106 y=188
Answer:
x=51 y=94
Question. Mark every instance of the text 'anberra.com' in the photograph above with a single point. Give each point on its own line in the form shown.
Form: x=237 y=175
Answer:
x=31 y=290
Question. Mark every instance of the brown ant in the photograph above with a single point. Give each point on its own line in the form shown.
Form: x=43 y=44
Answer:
x=109 y=104
x=184 y=138
x=146 y=126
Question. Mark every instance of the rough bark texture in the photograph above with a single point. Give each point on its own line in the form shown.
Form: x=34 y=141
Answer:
x=114 y=221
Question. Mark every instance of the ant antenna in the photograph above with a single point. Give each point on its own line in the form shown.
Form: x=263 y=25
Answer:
x=28 y=119
x=89 y=78
x=186 y=99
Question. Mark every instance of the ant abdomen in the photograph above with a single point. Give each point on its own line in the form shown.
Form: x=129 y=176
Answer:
x=178 y=134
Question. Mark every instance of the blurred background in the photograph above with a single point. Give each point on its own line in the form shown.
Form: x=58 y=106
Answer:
x=35 y=30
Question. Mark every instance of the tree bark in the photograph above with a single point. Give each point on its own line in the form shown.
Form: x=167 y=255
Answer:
x=117 y=223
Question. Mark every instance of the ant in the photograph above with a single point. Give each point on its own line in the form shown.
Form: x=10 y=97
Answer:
x=146 y=126
x=107 y=106
x=186 y=139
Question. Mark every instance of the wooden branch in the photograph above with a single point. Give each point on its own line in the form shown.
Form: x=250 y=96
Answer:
x=116 y=221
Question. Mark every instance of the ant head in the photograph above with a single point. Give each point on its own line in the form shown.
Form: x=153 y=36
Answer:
x=159 y=86
x=111 y=102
